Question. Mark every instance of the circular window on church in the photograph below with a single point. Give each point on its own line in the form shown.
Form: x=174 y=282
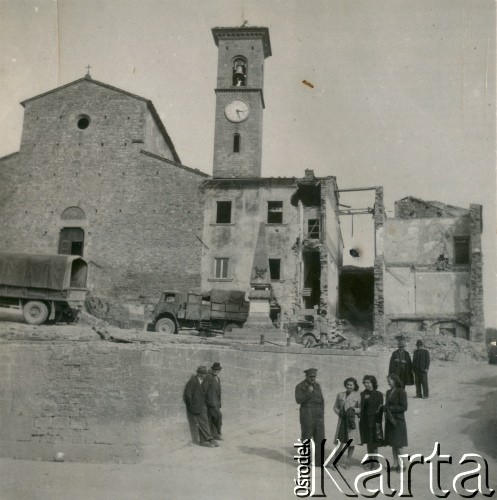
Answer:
x=83 y=122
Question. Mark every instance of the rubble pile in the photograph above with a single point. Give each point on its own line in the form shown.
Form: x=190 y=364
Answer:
x=443 y=347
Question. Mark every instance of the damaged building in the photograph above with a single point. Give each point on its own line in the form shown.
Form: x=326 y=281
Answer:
x=431 y=275
x=292 y=222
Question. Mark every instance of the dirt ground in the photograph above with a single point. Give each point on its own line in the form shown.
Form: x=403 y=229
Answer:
x=255 y=459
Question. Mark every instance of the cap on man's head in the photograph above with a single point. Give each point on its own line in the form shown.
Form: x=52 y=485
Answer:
x=311 y=371
x=401 y=341
x=216 y=366
x=419 y=342
x=202 y=369
x=323 y=312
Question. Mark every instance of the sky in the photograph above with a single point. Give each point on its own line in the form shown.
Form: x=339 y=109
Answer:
x=403 y=91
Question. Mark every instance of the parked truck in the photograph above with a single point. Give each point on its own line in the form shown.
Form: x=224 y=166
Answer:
x=44 y=287
x=218 y=310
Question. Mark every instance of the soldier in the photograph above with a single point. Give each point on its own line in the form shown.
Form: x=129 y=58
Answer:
x=420 y=366
x=310 y=398
x=213 y=390
x=400 y=364
x=195 y=400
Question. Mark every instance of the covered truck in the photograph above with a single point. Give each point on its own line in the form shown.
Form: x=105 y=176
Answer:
x=44 y=287
x=214 y=310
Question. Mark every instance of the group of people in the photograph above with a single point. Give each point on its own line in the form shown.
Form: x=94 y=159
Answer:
x=361 y=415
x=401 y=365
x=202 y=397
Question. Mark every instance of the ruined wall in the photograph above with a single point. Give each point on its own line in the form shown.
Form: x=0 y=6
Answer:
x=421 y=241
x=334 y=247
x=98 y=401
x=379 y=264
x=424 y=291
x=133 y=205
x=477 y=327
x=414 y=208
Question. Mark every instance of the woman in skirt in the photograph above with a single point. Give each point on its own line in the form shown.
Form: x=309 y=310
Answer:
x=395 y=422
x=347 y=407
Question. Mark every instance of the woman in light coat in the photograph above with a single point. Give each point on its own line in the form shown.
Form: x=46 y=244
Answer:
x=347 y=407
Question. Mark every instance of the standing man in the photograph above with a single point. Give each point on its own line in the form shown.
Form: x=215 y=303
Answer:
x=310 y=398
x=420 y=366
x=400 y=364
x=213 y=390
x=321 y=327
x=195 y=400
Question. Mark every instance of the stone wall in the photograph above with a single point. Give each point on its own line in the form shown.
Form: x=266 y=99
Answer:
x=477 y=325
x=379 y=264
x=98 y=401
x=141 y=213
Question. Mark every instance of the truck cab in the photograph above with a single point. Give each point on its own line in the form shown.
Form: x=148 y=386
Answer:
x=167 y=310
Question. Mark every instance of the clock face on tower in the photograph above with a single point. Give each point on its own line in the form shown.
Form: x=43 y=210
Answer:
x=237 y=110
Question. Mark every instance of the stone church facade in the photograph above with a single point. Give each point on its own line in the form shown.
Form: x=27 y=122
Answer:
x=97 y=175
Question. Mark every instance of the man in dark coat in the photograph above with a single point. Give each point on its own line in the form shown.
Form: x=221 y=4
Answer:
x=195 y=400
x=213 y=390
x=420 y=366
x=310 y=398
x=401 y=365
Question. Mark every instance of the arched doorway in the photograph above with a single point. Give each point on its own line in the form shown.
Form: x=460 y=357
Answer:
x=71 y=241
x=72 y=238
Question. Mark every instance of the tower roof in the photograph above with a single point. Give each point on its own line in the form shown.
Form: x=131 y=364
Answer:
x=236 y=33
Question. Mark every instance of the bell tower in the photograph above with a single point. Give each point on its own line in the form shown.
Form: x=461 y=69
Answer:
x=239 y=100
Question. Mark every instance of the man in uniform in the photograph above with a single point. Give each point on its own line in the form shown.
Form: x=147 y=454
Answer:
x=213 y=390
x=400 y=363
x=310 y=398
x=195 y=400
x=420 y=366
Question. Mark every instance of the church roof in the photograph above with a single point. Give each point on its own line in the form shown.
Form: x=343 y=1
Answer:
x=149 y=103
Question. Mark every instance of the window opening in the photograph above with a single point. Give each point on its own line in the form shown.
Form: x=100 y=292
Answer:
x=239 y=72
x=461 y=250
x=170 y=298
x=221 y=267
x=275 y=269
x=236 y=143
x=313 y=228
x=83 y=122
x=223 y=212
x=275 y=212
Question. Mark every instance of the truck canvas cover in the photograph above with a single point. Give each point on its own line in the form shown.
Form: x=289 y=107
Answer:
x=227 y=296
x=56 y=272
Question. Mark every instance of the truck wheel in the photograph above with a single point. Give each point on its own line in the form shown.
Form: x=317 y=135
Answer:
x=35 y=312
x=308 y=340
x=165 y=325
